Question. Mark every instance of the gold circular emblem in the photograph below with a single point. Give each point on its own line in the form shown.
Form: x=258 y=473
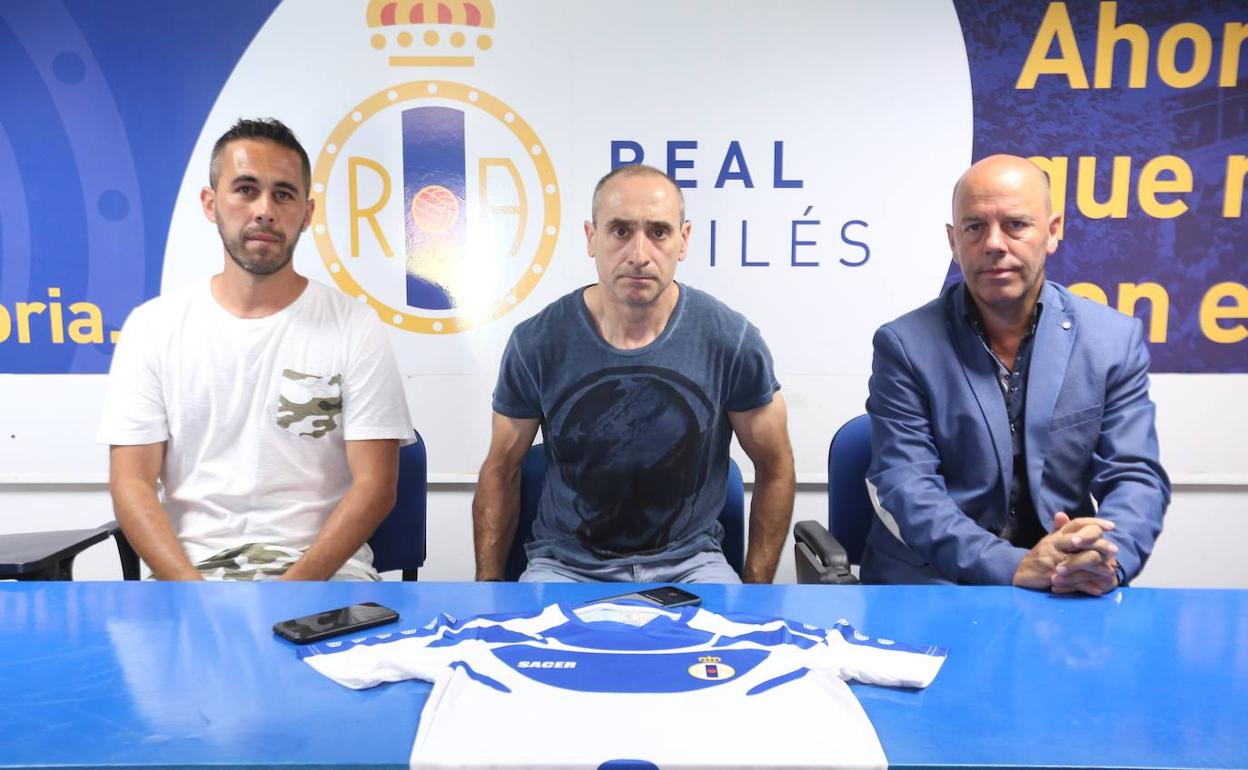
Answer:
x=431 y=209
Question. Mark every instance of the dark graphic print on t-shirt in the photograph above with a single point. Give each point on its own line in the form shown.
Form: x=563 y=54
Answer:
x=631 y=442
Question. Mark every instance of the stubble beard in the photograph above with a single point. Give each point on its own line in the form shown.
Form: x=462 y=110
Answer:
x=236 y=247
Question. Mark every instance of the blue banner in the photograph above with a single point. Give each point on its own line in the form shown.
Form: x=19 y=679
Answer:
x=100 y=108
x=1139 y=112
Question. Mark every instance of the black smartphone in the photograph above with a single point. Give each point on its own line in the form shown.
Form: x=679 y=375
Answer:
x=663 y=596
x=322 y=625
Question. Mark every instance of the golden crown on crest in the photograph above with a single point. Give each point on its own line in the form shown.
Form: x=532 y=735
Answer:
x=431 y=33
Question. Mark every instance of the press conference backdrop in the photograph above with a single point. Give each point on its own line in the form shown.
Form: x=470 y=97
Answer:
x=455 y=144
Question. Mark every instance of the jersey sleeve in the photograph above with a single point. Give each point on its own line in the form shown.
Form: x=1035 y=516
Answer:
x=423 y=653
x=373 y=403
x=361 y=662
x=880 y=661
x=841 y=649
x=134 y=405
x=752 y=380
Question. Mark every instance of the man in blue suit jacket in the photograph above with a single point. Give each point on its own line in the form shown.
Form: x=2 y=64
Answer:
x=1001 y=410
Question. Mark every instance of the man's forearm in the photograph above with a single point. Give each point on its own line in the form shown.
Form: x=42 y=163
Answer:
x=495 y=512
x=771 y=511
x=147 y=526
x=355 y=518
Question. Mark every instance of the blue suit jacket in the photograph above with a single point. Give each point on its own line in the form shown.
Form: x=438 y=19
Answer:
x=941 y=453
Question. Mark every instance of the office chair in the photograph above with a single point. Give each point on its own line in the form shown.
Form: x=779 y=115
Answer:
x=824 y=555
x=532 y=476
x=398 y=543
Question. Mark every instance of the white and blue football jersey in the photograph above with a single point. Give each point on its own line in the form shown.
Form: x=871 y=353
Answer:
x=625 y=685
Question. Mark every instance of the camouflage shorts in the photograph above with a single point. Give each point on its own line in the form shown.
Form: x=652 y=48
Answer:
x=261 y=561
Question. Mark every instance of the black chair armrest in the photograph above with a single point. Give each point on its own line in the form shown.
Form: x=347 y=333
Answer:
x=45 y=555
x=125 y=552
x=818 y=556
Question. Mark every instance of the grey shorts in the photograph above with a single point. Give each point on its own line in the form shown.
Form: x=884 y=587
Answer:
x=704 y=567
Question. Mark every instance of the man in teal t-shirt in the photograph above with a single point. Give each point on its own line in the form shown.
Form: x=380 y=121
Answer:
x=638 y=384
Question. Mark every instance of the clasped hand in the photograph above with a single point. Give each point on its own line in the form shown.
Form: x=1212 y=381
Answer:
x=1074 y=558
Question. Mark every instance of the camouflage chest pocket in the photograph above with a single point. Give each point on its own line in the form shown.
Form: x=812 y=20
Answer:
x=309 y=404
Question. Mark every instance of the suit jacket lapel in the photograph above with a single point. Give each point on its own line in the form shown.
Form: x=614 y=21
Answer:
x=981 y=376
x=1055 y=338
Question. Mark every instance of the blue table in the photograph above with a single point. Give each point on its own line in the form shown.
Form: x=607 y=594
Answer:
x=172 y=675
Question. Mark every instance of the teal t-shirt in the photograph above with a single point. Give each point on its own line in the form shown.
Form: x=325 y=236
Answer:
x=637 y=440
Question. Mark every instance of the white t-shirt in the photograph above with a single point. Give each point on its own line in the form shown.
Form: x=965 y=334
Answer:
x=677 y=688
x=255 y=411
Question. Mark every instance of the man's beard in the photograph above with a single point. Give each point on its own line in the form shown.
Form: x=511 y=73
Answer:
x=237 y=249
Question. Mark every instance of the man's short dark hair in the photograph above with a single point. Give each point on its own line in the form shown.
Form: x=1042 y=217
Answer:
x=265 y=130
x=634 y=169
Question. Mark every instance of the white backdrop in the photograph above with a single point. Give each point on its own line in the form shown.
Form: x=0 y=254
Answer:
x=581 y=88
x=874 y=136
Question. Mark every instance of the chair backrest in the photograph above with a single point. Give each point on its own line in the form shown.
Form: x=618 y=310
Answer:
x=399 y=542
x=533 y=474
x=849 y=506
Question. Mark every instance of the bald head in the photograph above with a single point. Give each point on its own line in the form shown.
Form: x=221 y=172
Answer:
x=1003 y=229
x=638 y=169
x=997 y=170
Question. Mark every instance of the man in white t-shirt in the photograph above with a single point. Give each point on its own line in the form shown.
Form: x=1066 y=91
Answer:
x=268 y=406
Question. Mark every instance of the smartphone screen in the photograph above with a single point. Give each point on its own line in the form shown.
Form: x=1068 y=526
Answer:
x=322 y=625
x=663 y=596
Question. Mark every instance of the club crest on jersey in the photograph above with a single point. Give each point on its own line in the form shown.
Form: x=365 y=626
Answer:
x=711 y=668
x=436 y=203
